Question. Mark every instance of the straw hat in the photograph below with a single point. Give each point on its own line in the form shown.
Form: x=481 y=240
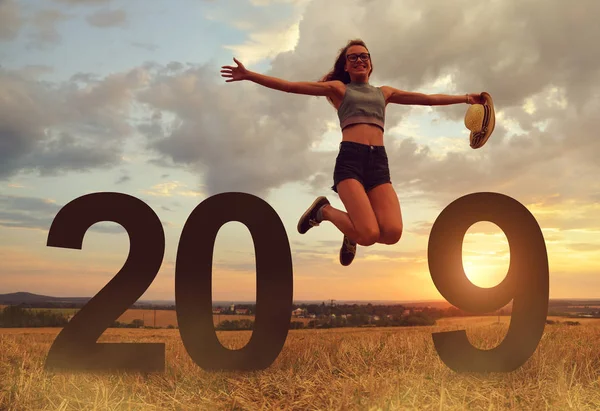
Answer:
x=481 y=120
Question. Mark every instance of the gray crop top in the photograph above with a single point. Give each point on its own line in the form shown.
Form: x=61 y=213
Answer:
x=362 y=103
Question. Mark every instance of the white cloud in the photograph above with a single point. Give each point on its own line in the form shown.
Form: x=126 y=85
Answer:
x=271 y=26
x=265 y=44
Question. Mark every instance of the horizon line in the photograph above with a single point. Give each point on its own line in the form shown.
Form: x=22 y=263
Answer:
x=304 y=300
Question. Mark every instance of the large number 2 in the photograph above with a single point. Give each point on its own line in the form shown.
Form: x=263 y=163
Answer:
x=526 y=282
x=75 y=347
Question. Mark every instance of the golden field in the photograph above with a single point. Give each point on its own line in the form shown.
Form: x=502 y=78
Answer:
x=338 y=369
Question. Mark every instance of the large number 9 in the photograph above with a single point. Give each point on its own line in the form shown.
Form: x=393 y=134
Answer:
x=526 y=282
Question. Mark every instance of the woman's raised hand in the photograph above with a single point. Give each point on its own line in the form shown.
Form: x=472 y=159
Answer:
x=234 y=73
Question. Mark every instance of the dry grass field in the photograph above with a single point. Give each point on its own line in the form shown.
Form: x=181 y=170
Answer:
x=337 y=369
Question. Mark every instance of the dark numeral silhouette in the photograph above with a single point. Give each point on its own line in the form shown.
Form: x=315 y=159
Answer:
x=75 y=347
x=274 y=282
x=526 y=282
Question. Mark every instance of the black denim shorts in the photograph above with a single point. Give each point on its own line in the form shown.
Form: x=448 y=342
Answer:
x=365 y=163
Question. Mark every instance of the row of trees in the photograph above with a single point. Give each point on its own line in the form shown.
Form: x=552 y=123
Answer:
x=14 y=316
x=318 y=310
x=323 y=310
x=17 y=317
x=416 y=319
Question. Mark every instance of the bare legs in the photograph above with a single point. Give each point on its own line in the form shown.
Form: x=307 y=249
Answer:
x=370 y=218
x=343 y=222
x=386 y=206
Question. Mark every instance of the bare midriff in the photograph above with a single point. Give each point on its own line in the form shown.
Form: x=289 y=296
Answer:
x=368 y=134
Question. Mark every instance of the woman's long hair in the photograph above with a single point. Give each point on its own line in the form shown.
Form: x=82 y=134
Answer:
x=338 y=72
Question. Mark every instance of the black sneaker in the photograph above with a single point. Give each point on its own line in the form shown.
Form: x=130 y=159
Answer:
x=309 y=218
x=347 y=252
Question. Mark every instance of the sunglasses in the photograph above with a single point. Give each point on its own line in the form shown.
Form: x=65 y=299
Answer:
x=355 y=57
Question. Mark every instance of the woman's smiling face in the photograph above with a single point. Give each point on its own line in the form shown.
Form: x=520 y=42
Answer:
x=361 y=66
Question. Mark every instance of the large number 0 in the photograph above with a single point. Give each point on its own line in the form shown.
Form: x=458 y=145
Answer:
x=274 y=280
x=526 y=282
x=75 y=347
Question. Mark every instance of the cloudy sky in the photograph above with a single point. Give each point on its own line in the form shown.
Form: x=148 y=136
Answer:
x=126 y=96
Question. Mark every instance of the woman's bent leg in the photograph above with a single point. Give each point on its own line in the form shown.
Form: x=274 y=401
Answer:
x=387 y=210
x=359 y=222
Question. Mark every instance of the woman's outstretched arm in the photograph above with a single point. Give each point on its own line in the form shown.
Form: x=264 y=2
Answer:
x=407 y=97
x=312 y=88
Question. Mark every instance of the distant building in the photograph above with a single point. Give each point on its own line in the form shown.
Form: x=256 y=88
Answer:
x=299 y=312
x=241 y=311
x=217 y=310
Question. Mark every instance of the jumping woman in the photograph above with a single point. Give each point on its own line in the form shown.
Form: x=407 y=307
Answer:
x=361 y=175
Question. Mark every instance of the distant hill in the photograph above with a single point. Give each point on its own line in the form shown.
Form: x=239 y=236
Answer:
x=29 y=298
